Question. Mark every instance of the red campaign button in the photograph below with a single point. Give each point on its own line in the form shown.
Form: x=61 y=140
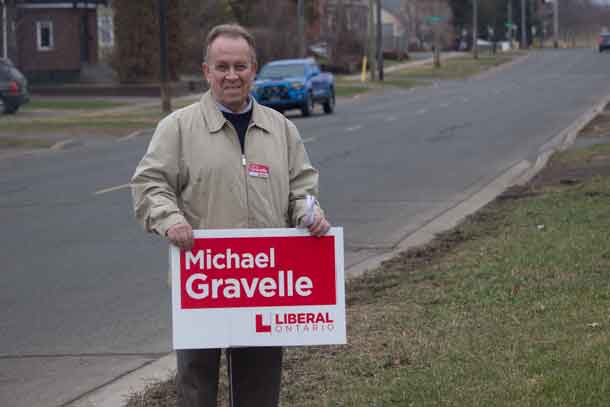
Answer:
x=258 y=170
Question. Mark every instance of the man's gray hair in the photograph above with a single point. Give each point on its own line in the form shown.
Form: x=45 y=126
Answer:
x=231 y=31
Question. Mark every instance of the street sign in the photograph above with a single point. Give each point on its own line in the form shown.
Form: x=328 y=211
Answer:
x=258 y=287
x=433 y=19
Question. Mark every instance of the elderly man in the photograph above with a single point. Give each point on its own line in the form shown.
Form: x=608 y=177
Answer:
x=227 y=162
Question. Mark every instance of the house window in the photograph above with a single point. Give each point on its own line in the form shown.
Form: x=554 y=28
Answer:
x=44 y=35
x=105 y=31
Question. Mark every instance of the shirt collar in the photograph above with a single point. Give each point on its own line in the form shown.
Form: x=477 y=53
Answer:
x=225 y=109
x=215 y=120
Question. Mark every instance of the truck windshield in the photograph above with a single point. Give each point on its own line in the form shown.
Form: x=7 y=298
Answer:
x=282 y=71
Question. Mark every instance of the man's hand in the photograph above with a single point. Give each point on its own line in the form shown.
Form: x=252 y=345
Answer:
x=320 y=226
x=181 y=235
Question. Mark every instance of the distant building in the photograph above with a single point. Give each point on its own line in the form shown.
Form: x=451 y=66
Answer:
x=394 y=25
x=54 y=40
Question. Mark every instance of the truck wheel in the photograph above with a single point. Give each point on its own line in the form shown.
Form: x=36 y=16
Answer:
x=329 y=104
x=307 y=108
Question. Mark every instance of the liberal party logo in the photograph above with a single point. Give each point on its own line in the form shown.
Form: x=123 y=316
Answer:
x=295 y=322
x=260 y=326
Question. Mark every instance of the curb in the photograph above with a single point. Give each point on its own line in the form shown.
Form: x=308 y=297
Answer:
x=115 y=392
x=561 y=142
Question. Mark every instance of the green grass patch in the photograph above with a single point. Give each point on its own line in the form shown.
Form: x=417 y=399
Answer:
x=14 y=142
x=138 y=117
x=349 y=90
x=403 y=82
x=514 y=314
x=143 y=118
x=72 y=104
x=90 y=123
x=584 y=155
x=456 y=68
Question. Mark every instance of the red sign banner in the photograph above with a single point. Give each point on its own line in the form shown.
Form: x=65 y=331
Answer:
x=258 y=272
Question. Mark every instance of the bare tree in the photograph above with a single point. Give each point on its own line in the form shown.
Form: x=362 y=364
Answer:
x=244 y=11
x=416 y=15
x=198 y=19
x=345 y=34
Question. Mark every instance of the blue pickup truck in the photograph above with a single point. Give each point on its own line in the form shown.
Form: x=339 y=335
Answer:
x=294 y=84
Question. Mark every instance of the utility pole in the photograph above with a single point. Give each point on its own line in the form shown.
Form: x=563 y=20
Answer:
x=371 y=41
x=379 y=41
x=523 y=25
x=556 y=24
x=475 y=28
x=301 y=27
x=510 y=23
x=4 y=31
x=437 y=42
x=166 y=105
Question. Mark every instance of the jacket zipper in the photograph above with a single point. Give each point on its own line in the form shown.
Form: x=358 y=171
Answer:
x=244 y=163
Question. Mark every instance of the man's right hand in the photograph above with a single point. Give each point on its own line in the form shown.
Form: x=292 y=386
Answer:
x=181 y=235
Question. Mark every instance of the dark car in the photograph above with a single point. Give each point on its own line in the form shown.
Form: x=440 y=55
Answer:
x=603 y=42
x=13 y=87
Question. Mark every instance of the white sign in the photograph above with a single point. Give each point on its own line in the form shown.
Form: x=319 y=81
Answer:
x=258 y=287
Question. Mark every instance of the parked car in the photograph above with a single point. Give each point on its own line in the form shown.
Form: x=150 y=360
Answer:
x=603 y=42
x=13 y=87
x=295 y=84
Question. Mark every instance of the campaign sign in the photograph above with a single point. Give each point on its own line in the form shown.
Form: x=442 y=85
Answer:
x=258 y=287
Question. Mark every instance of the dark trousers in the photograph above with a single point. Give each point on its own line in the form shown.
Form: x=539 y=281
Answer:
x=254 y=377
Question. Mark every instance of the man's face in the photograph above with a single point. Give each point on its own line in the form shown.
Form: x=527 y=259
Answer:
x=230 y=71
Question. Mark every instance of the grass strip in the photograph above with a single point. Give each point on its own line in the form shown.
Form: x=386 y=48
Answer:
x=349 y=90
x=71 y=104
x=92 y=123
x=508 y=309
x=456 y=68
x=514 y=314
x=14 y=142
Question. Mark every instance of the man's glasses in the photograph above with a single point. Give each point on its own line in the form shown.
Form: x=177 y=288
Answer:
x=226 y=68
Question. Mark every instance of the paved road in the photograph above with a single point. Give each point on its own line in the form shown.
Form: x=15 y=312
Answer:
x=83 y=295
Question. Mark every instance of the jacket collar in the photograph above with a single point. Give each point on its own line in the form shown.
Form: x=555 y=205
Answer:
x=216 y=121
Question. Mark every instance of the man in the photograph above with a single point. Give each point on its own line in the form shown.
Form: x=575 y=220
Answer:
x=227 y=162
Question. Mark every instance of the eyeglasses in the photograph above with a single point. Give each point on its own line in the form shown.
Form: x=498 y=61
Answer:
x=225 y=69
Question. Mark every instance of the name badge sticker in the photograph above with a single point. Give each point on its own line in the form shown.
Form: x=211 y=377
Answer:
x=258 y=170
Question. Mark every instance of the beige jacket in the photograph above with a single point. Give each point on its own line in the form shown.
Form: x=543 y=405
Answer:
x=194 y=171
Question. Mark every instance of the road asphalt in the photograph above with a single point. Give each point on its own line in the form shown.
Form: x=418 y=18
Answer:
x=125 y=375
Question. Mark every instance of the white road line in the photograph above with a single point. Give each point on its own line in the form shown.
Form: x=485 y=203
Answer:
x=422 y=111
x=111 y=189
x=444 y=104
x=391 y=118
x=354 y=128
x=465 y=100
x=309 y=140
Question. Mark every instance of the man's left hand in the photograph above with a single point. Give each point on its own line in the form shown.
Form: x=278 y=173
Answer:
x=320 y=226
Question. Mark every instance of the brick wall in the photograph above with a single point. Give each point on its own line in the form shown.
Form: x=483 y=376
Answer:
x=65 y=57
